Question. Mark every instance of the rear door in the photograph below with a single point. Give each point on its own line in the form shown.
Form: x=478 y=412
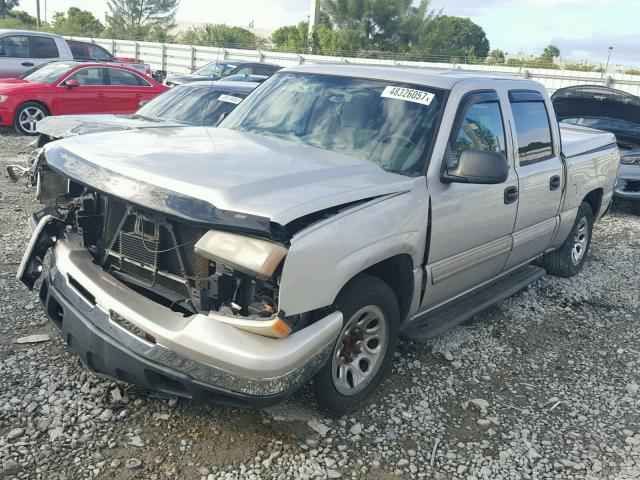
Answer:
x=540 y=172
x=89 y=97
x=14 y=56
x=126 y=90
x=42 y=50
x=471 y=224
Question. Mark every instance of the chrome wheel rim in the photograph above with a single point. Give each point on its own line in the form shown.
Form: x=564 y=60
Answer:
x=359 y=350
x=29 y=117
x=580 y=239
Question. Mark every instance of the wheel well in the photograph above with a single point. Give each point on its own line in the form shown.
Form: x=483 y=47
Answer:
x=397 y=272
x=46 y=109
x=594 y=199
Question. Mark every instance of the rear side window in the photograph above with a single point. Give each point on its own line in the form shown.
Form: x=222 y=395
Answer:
x=481 y=129
x=14 y=46
x=43 y=47
x=125 y=78
x=533 y=131
x=88 y=51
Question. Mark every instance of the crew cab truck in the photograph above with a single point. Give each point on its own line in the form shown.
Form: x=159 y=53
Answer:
x=335 y=209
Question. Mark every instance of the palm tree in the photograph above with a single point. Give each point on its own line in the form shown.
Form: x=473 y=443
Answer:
x=6 y=6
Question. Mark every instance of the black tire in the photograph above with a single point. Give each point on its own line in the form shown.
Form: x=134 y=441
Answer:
x=362 y=293
x=563 y=262
x=29 y=107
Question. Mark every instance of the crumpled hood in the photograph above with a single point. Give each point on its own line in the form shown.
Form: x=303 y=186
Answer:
x=72 y=125
x=230 y=170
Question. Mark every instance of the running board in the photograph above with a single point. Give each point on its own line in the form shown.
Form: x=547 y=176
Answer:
x=441 y=319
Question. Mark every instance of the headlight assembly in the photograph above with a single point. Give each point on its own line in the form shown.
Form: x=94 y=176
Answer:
x=4 y=98
x=633 y=159
x=251 y=255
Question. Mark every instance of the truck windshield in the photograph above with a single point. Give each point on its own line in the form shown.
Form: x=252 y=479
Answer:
x=389 y=123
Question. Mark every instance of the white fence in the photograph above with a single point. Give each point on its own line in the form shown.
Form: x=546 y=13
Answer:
x=177 y=58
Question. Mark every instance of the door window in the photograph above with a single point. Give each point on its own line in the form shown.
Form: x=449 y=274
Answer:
x=481 y=129
x=246 y=70
x=533 y=132
x=43 y=47
x=90 y=77
x=14 y=46
x=124 y=78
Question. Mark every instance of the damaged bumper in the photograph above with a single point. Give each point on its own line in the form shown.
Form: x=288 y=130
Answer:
x=124 y=335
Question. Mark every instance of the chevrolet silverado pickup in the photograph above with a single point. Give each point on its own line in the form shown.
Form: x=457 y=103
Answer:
x=334 y=210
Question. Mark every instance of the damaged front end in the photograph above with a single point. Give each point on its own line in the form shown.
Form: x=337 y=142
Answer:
x=171 y=279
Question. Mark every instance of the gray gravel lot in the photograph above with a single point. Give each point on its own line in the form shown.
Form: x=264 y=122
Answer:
x=544 y=385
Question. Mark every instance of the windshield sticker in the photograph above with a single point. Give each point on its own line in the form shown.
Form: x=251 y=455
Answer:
x=408 y=95
x=230 y=99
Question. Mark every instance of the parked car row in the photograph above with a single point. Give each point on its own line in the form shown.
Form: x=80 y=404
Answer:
x=66 y=88
x=334 y=209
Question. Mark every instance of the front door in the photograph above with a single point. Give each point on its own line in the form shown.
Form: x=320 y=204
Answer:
x=471 y=225
x=88 y=97
x=540 y=173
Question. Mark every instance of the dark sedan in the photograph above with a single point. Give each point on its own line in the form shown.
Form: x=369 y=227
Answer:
x=222 y=69
x=197 y=104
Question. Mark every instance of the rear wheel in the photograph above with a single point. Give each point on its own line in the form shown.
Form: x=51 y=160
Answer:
x=569 y=259
x=364 y=349
x=27 y=116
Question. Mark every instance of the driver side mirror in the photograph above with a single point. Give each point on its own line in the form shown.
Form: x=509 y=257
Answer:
x=478 y=167
x=71 y=83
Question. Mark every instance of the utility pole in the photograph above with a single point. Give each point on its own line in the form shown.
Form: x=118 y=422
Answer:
x=314 y=16
x=38 y=13
x=606 y=69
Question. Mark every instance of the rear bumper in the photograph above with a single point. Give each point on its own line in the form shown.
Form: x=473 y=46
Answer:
x=123 y=335
x=628 y=183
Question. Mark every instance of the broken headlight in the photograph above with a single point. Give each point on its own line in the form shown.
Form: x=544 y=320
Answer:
x=250 y=255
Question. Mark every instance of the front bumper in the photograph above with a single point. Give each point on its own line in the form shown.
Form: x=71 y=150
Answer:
x=123 y=335
x=628 y=183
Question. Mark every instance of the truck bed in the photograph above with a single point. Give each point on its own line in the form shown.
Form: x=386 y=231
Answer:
x=577 y=140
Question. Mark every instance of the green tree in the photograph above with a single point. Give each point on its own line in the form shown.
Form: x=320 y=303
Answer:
x=454 y=37
x=496 y=57
x=389 y=25
x=6 y=6
x=219 y=35
x=19 y=20
x=293 y=38
x=76 y=22
x=137 y=18
x=550 y=53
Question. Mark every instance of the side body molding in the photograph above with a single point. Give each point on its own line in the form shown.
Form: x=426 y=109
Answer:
x=325 y=256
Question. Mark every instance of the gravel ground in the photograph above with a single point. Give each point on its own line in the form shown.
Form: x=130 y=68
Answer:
x=543 y=385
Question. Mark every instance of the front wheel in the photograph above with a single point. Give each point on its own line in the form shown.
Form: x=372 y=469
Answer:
x=568 y=260
x=364 y=349
x=27 y=117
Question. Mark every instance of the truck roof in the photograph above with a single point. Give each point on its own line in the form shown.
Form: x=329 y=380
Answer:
x=12 y=31
x=433 y=77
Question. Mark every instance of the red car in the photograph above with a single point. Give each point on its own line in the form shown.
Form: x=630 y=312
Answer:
x=66 y=88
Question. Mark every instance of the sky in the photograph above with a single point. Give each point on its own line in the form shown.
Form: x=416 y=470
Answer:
x=582 y=29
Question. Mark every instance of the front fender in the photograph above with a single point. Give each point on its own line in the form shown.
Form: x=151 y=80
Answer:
x=325 y=256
